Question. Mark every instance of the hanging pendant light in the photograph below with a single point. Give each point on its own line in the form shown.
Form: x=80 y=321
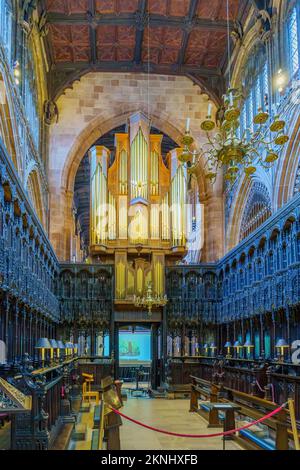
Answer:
x=228 y=150
x=149 y=300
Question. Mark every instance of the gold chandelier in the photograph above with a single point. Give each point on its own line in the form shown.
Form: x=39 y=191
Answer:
x=150 y=300
x=231 y=149
x=228 y=147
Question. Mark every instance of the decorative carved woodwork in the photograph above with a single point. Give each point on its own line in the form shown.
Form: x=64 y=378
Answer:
x=115 y=34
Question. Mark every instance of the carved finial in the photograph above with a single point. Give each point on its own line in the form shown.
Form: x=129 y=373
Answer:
x=50 y=112
x=263 y=25
x=43 y=25
x=237 y=33
x=27 y=8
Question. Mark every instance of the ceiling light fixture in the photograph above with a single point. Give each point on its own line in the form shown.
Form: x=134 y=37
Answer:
x=228 y=147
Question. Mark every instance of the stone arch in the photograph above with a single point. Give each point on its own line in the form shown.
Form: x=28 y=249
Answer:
x=257 y=209
x=33 y=187
x=100 y=102
x=235 y=216
x=99 y=126
x=39 y=68
x=249 y=42
x=288 y=166
x=244 y=193
x=8 y=127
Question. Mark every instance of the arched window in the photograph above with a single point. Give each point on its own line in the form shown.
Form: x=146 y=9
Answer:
x=294 y=39
x=31 y=106
x=256 y=79
x=194 y=216
x=34 y=192
x=6 y=22
x=257 y=210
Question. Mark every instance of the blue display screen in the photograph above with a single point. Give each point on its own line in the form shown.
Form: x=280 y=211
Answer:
x=134 y=346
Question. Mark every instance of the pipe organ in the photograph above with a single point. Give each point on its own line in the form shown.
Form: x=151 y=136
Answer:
x=138 y=208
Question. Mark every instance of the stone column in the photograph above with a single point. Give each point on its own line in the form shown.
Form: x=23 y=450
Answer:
x=213 y=248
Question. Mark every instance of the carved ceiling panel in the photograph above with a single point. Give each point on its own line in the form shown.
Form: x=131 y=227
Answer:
x=217 y=9
x=67 y=7
x=115 y=43
x=109 y=7
x=162 y=45
x=184 y=37
x=71 y=43
x=206 y=48
x=169 y=7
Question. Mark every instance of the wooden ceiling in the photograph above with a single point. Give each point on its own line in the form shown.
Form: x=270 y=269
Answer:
x=182 y=37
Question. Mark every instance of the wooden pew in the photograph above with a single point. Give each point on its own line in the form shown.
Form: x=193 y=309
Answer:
x=255 y=408
x=98 y=441
x=112 y=420
x=200 y=389
x=279 y=435
x=106 y=432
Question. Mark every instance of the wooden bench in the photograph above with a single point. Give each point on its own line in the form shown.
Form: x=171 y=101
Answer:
x=275 y=433
x=178 y=391
x=98 y=441
x=255 y=408
x=202 y=389
x=106 y=434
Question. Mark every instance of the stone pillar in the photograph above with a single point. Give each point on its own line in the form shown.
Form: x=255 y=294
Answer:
x=68 y=224
x=213 y=248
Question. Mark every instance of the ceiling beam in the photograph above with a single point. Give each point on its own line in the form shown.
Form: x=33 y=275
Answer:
x=62 y=76
x=141 y=19
x=187 y=31
x=93 y=45
x=134 y=20
x=127 y=66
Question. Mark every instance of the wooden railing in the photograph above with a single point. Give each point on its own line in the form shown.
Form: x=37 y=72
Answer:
x=106 y=434
x=279 y=435
x=50 y=389
x=271 y=381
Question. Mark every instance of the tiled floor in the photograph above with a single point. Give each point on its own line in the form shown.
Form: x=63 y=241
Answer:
x=170 y=415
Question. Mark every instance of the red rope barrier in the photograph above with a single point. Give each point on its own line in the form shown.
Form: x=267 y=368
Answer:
x=200 y=436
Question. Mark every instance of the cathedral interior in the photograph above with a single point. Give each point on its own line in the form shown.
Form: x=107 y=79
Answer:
x=149 y=225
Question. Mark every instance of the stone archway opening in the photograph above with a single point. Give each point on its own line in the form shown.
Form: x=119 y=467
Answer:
x=81 y=201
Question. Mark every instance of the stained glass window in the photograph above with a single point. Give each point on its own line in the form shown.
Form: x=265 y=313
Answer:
x=6 y=26
x=293 y=35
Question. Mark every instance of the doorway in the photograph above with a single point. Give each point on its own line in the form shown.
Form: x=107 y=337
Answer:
x=138 y=353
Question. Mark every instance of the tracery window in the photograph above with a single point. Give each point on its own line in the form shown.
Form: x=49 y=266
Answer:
x=294 y=39
x=6 y=21
x=30 y=102
x=195 y=239
x=257 y=210
x=255 y=87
